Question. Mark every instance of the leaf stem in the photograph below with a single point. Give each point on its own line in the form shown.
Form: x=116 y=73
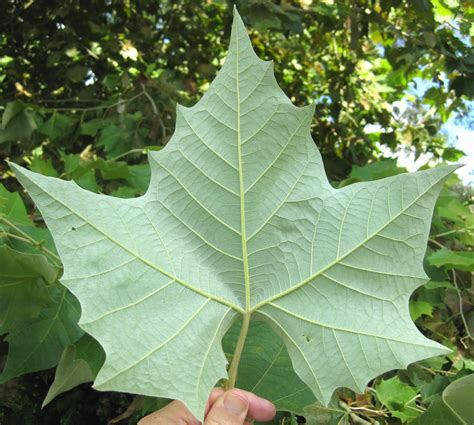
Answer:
x=142 y=151
x=230 y=383
x=461 y=312
x=25 y=237
x=467 y=229
x=436 y=371
x=12 y=235
x=97 y=108
x=439 y=245
x=150 y=99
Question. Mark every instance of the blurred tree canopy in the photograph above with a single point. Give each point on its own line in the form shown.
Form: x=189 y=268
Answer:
x=77 y=72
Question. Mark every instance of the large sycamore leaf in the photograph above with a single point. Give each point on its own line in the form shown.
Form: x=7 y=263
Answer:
x=239 y=219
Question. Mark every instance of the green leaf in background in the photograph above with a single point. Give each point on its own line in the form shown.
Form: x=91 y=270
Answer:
x=140 y=177
x=467 y=236
x=43 y=166
x=111 y=170
x=420 y=308
x=13 y=214
x=125 y=192
x=56 y=127
x=80 y=171
x=111 y=139
x=90 y=128
x=433 y=284
x=38 y=344
x=77 y=73
x=79 y=364
x=461 y=260
x=266 y=368
x=12 y=207
x=333 y=414
x=454 y=407
x=453 y=210
x=240 y=220
x=399 y=398
x=458 y=397
x=41 y=235
x=374 y=171
x=431 y=390
x=23 y=293
x=431 y=293
x=17 y=122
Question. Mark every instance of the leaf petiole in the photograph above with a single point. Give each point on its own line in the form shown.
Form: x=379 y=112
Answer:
x=25 y=237
x=234 y=366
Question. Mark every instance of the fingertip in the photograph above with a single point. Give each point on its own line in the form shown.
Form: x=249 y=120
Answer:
x=235 y=402
x=215 y=394
x=260 y=409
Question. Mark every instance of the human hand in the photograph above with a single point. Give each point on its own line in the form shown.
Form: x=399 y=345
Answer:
x=234 y=407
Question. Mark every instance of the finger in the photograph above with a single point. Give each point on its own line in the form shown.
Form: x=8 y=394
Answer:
x=175 y=413
x=260 y=409
x=215 y=394
x=230 y=408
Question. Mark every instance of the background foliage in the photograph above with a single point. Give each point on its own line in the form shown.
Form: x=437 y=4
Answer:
x=87 y=88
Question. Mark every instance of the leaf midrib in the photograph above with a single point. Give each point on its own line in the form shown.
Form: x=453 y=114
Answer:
x=243 y=230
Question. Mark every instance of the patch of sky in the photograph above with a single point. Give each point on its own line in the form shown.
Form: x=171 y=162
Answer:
x=459 y=131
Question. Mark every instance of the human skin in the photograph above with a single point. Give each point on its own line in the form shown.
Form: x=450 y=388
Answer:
x=234 y=407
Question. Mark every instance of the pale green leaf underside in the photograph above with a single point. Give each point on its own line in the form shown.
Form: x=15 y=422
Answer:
x=239 y=217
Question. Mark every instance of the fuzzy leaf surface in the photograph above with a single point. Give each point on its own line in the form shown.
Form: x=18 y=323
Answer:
x=239 y=218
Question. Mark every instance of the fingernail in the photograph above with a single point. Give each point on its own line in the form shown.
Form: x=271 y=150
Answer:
x=234 y=404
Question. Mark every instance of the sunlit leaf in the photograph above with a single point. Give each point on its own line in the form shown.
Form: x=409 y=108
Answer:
x=240 y=220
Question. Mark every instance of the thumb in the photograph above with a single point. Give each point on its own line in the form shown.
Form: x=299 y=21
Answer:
x=230 y=409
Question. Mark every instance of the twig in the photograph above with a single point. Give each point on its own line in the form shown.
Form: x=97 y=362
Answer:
x=163 y=129
x=153 y=104
x=25 y=237
x=67 y=100
x=355 y=418
x=439 y=245
x=437 y=371
x=143 y=151
x=99 y=108
x=12 y=235
x=467 y=229
x=366 y=409
x=466 y=327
